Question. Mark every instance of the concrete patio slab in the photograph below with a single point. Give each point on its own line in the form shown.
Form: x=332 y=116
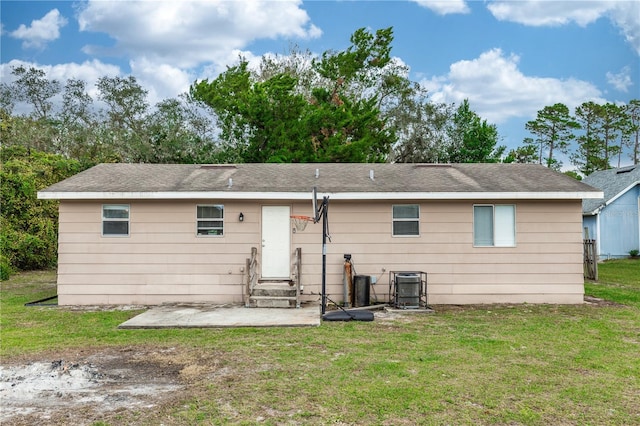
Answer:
x=216 y=316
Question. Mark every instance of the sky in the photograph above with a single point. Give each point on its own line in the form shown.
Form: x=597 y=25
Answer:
x=510 y=59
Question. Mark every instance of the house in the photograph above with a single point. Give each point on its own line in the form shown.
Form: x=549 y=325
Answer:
x=481 y=233
x=614 y=220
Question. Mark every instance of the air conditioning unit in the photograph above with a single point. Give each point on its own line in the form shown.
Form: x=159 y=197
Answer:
x=407 y=291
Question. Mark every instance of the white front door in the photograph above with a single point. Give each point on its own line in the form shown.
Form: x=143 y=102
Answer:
x=276 y=245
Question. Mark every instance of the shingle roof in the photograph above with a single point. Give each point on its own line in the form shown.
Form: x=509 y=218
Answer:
x=612 y=182
x=332 y=178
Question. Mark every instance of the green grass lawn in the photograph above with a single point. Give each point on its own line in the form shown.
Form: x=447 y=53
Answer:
x=618 y=280
x=493 y=364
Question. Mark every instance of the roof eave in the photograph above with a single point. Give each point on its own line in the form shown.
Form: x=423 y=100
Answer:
x=236 y=195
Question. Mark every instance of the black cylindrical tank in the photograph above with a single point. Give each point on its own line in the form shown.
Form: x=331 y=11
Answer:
x=361 y=288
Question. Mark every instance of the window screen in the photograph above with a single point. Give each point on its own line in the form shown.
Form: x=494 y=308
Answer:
x=115 y=219
x=210 y=220
x=494 y=226
x=406 y=220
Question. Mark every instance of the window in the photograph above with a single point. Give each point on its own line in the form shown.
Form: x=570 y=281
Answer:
x=210 y=220
x=494 y=226
x=406 y=220
x=115 y=219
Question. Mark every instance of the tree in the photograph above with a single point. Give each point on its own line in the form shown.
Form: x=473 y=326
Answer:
x=418 y=124
x=28 y=231
x=275 y=119
x=259 y=121
x=343 y=130
x=632 y=131
x=421 y=128
x=127 y=107
x=34 y=130
x=77 y=104
x=295 y=63
x=7 y=98
x=553 y=127
x=174 y=131
x=76 y=124
x=589 y=155
x=178 y=134
x=527 y=153
x=357 y=63
x=472 y=140
x=33 y=87
x=344 y=119
x=28 y=132
x=126 y=130
x=611 y=123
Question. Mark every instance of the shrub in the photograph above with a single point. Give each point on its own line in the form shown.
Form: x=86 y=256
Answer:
x=5 y=269
x=28 y=226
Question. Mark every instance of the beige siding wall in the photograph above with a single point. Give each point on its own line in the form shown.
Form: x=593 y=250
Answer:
x=163 y=260
x=545 y=266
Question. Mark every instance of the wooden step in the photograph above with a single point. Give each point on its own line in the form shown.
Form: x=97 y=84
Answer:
x=272 y=302
x=276 y=290
x=286 y=281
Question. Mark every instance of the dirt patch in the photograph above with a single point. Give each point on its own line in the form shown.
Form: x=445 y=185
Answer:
x=600 y=302
x=399 y=315
x=84 y=389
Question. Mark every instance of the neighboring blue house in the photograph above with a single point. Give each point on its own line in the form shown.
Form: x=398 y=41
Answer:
x=614 y=221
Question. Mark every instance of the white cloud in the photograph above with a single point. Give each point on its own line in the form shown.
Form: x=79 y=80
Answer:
x=444 y=7
x=548 y=13
x=497 y=90
x=163 y=81
x=41 y=31
x=625 y=14
x=622 y=80
x=187 y=34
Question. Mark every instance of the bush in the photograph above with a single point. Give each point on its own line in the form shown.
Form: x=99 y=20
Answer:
x=633 y=253
x=28 y=226
x=5 y=269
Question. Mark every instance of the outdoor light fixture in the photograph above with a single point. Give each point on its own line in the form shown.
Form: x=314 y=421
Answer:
x=241 y=217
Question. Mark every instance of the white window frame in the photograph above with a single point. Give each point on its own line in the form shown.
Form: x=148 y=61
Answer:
x=504 y=234
x=401 y=219
x=210 y=219
x=125 y=207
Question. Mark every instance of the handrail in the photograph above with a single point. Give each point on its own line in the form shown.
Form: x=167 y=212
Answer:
x=252 y=276
x=298 y=273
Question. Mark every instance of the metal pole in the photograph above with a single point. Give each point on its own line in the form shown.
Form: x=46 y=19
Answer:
x=324 y=254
